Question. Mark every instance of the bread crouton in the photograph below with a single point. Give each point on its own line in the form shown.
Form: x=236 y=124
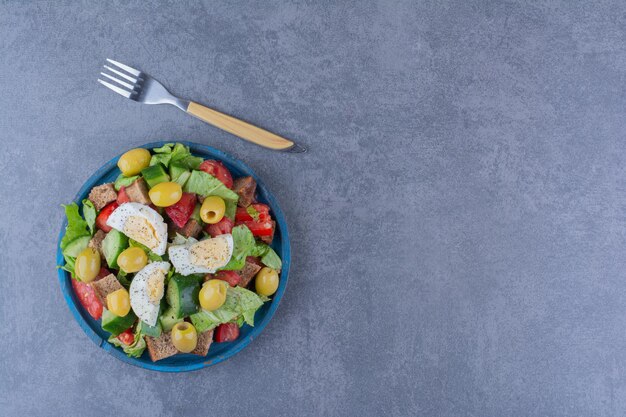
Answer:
x=245 y=187
x=96 y=241
x=137 y=192
x=249 y=270
x=191 y=229
x=160 y=347
x=106 y=286
x=204 y=343
x=102 y=195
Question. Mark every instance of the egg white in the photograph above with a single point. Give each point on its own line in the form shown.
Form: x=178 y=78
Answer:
x=180 y=256
x=120 y=217
x=152 y=274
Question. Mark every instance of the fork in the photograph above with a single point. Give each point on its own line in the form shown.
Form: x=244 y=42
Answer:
x=139 y=86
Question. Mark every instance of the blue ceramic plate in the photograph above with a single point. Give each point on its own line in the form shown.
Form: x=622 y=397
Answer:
x=218 y=351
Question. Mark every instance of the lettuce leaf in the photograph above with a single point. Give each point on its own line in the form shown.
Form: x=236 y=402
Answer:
x=133 y=350
x=69 y=265
x=268 y=256
x=178 y=152
x=204 y=184
x=123 y=181
x=76 y=226
x=161 y=158
x=90 y=213
x=167 y=148
x=243 y=245
x=240 y=303
x=271 y=259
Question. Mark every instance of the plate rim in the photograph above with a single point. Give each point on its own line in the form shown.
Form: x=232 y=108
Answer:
x=67 y=290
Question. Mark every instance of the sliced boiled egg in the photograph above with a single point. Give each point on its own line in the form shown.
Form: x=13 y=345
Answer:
x=203 y=257
x=146 y=291
x=141 y=223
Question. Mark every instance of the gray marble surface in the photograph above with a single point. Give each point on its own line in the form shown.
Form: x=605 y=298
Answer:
x=458 y=224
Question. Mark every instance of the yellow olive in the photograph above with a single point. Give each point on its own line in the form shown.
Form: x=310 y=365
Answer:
x=266 y=281
x=166 y=194
x=213 y=294
x=184 y=337
x=132 y=260
x=87 y=265
x=118 y=302
x=133 y=161
x=212 y=210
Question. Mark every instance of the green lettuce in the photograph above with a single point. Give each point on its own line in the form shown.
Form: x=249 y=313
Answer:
x=90 y=213
x=175 y=153
x=243 y=246
x=133 y=350
x=206 y=185
x=70 y=261
x=240 y=303
x=271 y=259
x=76 y=226
x=123 y=181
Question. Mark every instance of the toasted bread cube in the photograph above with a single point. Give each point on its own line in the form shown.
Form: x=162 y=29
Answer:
x=245 y=187
x=204 y=343
x=137 y=192
x=102 y=195
x=249 y=270
x=96 y=241
x=191 y=229
x=106 y=286
x=160 y=347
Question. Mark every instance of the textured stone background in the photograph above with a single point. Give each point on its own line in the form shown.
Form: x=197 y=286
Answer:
x=458 y=224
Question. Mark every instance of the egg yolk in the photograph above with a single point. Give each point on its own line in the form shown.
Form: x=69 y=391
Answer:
x=140 y=229
x=155 y=286
x=210 y=253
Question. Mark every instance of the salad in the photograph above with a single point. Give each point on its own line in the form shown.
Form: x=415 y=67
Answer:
x=172 y=256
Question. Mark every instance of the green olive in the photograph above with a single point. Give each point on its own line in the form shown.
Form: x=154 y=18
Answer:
x=132 y=260
x=166 y=194
x=184 y=337
x=133 y=161
x=213 y=294
x=118 y=302
x=87 y=265
x=266 y=281
x=212 y=210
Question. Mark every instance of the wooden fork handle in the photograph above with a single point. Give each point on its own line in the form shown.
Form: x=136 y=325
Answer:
x=239 y=128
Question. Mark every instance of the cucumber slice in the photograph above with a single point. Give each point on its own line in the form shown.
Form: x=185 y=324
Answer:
x=76 y=246
x=153 y=331
x=155 y=174
x=112 y=245
x=182 y=295
x=168 y=320
x=116 y=324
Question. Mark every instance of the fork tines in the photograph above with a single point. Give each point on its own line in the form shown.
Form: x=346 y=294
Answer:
x=128 y=83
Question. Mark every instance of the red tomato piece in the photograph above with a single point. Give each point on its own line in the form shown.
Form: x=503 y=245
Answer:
x=103 y=216
x=103 y=273
x=222 y=227
x=127 y=337
x=231 y=277
x=261 y=228
x=218 y=170
x=122 y=197
x=263 y=211
x=182 y=211
x=226 y=332
x=87 y=297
